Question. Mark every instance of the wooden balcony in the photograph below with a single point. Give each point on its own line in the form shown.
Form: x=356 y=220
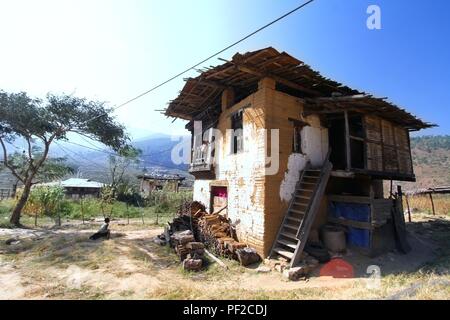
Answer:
x=201 y=166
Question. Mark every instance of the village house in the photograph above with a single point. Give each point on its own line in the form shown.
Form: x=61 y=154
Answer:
x=77 y=188
x=335 y=146
x=8 y=184
x=153 y=182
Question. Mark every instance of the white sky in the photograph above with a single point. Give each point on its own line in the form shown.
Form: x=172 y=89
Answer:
x=113 y=50
x=105 y=50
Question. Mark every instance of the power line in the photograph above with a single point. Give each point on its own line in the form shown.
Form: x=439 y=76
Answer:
x=206 y=59
x=117 y=155
x=95 y=148
x=79 y=155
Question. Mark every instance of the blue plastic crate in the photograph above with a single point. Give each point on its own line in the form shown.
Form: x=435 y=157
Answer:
x=356 y=212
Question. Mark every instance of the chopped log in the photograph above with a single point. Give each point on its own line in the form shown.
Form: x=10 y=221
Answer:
x=194 y=230
x=247 y=256
x=192 y=264
x=182 y=237
x=234 y=246
x=195 y=245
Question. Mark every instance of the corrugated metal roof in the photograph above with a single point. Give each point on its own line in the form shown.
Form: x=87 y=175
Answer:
x=202 y=95
x=76 y=183
x=156 y=176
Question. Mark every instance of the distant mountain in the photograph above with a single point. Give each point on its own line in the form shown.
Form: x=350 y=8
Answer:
x=90 y=163
x=157 y=150
x=91 y=160
x=431 y=157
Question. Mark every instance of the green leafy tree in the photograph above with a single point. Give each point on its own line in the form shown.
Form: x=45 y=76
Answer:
x=42 y=122
x=119 y=164
x=53 y=168
x=107 y=198
x=45 y=200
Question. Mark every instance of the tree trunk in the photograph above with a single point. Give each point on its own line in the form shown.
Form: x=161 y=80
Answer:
x=59 y=215
x=82 y=210
x=128 y=214
x=17 y=211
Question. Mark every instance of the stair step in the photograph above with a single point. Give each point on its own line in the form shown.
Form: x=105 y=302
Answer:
x=312 y=171
x=294 y=219
x=288 y=235
x=289 y=226
x=297 y=196
x=301 y=213
x=289 y=244
x=284 y=253
x=297 y=211
x=310 y=183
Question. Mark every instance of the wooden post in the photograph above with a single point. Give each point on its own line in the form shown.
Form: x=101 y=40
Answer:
x=347 y=141
x=128 y=213
x=400 y=196
x=390 y=192
x=432 y=203
x=59 y=214
x=82 y=209
x=407 y=205
x=142 y=210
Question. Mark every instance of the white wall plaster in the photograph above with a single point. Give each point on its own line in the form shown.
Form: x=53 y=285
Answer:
x=296 y=163
x=315 y=146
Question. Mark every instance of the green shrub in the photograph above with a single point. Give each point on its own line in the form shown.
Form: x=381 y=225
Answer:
x=5 y=207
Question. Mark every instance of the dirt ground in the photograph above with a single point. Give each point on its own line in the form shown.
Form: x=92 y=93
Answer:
x=64 y=264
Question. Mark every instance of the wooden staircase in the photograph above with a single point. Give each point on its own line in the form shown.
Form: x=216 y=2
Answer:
x=302 y=210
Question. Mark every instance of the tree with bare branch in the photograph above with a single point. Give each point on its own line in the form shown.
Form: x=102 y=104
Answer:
x=42 y=122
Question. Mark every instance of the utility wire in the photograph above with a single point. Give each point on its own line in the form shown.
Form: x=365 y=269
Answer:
x=79 y=155
x=117 y=155
x=204 y=60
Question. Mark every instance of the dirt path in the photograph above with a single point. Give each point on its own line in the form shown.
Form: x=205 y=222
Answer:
x=64 y=264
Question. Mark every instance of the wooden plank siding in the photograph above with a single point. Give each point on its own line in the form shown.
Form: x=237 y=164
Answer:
x=387 y=147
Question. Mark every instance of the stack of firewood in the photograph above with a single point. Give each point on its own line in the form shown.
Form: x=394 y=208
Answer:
x=215 y=231
x=194 y=229
x=191 y=253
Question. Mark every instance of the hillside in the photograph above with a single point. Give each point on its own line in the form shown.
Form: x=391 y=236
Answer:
x=156 y=158
x=431 y=157
x=92 y=160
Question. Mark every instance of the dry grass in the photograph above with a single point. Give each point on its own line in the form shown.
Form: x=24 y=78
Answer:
x=131 y=266
x=422 y=203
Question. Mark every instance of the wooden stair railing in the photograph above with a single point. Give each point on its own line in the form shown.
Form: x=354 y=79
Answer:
x=301 y=212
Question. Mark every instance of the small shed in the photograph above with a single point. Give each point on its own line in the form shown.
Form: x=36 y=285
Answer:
x=152 y=182
x=77 y=188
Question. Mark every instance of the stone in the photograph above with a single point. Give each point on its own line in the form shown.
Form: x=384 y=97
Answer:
x=159 y=241
x=192 y=264
x=271 y=262
x=263 y=269
x=247 y=256
x=280 y=267
x=12 y=241
x=296 y=273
